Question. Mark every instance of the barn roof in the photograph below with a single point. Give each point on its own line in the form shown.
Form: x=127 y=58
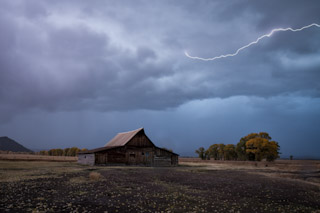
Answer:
x=123 y=138
x=97 y=150
x=120 y=140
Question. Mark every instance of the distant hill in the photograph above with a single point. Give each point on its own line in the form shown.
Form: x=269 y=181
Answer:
x=7 y=144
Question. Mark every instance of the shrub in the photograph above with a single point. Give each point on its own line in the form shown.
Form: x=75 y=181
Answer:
x=95 y=176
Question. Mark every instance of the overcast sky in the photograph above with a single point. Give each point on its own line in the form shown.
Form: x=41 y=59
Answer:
x=75 y=73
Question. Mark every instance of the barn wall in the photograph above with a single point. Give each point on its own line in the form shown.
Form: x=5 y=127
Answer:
x=165 y=158
x=174 y=160
x=111 y=156
x=139 y=156
x=116 y=157
x=162 y=161
x=131 y=156
x=140 y=140
x=86 y=159
x=126 y=155
x=162 y=152
x=101 y=158
x=138 y=151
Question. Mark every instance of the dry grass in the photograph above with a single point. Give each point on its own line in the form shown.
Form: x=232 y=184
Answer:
x=11 y=171
x=202 y=187
x=300 y=170
x=30 y=157
x=94 y=176
x=307 y=171
x=78 y=180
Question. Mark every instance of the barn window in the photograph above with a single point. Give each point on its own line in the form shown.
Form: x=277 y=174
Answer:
x=132 y=155
x=147 y=154
x=142 y=153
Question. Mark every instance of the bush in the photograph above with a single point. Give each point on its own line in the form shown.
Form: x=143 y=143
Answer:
x=95 y=176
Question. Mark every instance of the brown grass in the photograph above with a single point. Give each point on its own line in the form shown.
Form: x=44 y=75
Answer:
x=30 y=157
x=69 y=187
x=95 y=176
x=11 y=171
x=78 y=180
x=300 y=170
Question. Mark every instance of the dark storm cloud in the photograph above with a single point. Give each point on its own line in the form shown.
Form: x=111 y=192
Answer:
x=271 y=14
x=293 y=13
x=124 y=55
x=292 y=121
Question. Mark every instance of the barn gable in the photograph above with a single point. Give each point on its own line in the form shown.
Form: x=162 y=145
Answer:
x=131 y=138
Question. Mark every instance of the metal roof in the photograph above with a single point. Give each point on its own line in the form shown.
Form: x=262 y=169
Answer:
x=97 y=150
x=122 y=138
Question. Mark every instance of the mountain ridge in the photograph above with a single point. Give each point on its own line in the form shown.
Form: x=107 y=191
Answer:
x=8 y=144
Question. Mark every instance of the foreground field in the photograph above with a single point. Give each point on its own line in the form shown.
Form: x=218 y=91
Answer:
x=300 y=170
x=30 y=157
x=191 y=187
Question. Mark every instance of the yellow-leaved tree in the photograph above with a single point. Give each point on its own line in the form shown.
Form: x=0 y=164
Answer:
x=230 y=152
x=259 y=148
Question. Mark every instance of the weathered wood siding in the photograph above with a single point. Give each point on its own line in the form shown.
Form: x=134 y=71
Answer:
x=139 y=150
x=162 y=161
x=140 y=156
x=134 y=155
x=116 y=155
x=148 y=156
x=140 y=140
x=174 y=160
x=101 y=158
x=86 y=159
x=164 y=158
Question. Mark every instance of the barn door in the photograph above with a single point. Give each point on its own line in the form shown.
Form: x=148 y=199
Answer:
x=101 y=159
x=132 y=158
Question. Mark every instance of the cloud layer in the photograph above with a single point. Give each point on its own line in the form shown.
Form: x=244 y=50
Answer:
x=112 y=55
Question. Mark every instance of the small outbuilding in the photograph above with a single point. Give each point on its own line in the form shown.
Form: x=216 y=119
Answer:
x=129 y=148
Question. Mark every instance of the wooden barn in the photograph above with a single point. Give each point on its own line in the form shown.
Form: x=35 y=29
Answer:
x=129 y=148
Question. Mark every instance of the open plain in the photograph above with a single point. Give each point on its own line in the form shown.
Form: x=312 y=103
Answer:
x=193 y=186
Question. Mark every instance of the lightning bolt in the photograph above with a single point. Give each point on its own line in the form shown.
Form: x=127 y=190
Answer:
x=252 y=43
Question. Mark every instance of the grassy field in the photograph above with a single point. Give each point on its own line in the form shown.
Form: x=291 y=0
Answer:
x=30 y=157
x=283 y=186
x=300 y=170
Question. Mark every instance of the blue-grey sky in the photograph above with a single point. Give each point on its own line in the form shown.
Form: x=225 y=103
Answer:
x=74 y=73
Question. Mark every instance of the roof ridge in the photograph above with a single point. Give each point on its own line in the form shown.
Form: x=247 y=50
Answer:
x=131 y=131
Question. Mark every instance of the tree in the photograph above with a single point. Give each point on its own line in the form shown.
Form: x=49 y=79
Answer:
x=212 y=151
x=272 y=151
x=63 y=152
x=51 y=152
x=73 y=151
x=206 y=154
x=221 y=151
x=201 y=153
x=264 y=135
x=230 y=152
x=241 y=146
x=252 y=154
x=43 y=152
x=261 y=148
x=66 y=151
x=59 y=152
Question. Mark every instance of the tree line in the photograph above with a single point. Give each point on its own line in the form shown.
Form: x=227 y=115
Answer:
x=73 y=151
x=253 y=147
